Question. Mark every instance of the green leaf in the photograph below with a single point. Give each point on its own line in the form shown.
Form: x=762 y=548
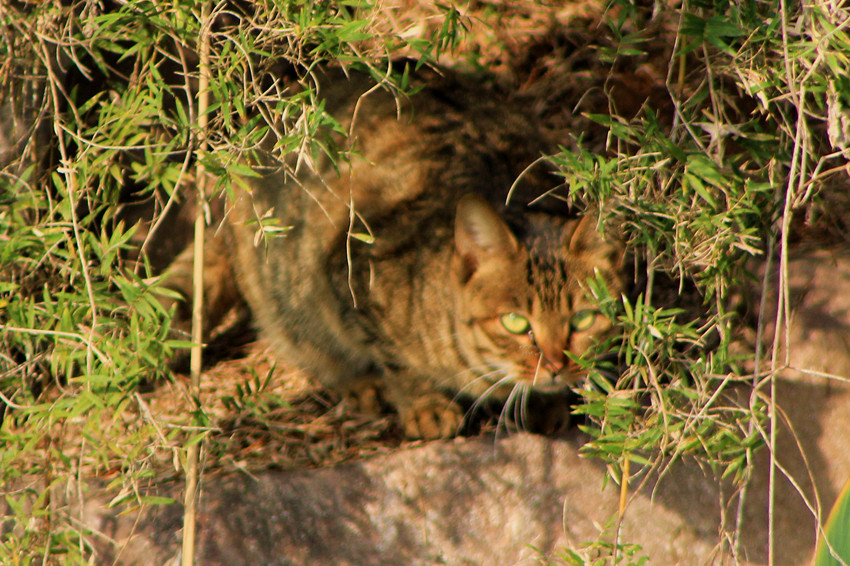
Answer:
x=367 y=238
x=157 y=500
x=242 y=169
x=837 y=532
x=180 y=344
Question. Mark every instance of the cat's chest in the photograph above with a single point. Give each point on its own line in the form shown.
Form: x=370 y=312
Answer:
x=410 y=295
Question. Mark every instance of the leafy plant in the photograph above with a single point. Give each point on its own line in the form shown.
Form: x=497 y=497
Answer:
x=102 y=115
x=834 y=543
x=696 y=194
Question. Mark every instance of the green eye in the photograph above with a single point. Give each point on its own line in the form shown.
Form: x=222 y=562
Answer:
x=515 y=323
x=582 y=320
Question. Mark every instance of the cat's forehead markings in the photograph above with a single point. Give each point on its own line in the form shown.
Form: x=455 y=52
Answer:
x=547 y=276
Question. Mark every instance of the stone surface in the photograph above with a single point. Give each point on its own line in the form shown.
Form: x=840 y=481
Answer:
x=813 y=438
x=467 y=501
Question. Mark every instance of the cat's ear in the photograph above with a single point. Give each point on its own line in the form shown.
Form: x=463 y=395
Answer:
x=587 y=241
x=585 y=237
x=480 y=235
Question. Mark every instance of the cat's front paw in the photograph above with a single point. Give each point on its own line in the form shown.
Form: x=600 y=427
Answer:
x=366 y=397
x=431 y=417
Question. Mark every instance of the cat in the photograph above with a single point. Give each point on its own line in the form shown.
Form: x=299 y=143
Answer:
x=400 y=276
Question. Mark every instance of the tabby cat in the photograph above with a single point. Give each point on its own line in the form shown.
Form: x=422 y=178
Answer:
x=401 y=276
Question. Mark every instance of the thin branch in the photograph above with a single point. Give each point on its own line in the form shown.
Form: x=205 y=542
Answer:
x=193 y=453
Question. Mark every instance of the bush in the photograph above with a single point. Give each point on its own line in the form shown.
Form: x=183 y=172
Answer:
x=100 y=111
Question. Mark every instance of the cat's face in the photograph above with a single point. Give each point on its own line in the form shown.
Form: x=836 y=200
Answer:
x=524 y=306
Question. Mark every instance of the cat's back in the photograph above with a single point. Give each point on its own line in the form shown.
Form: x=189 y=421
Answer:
x=389 y=154
x=384 y=174
x=367 y=215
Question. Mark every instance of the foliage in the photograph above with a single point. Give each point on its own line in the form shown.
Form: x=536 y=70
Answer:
x=753 y=86
x=102 y=96
x=101 y=100
x=601 y=554
x=836 y=531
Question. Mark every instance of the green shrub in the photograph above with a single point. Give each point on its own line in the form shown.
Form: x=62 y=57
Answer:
x=755 y=128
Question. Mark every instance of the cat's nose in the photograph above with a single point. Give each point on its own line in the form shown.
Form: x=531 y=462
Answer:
x=554 y=359
x=553 y=367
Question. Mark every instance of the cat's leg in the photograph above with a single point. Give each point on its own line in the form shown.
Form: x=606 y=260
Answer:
x=365 y=394
x=424 y=412
x=431 y=417
x=221 y=293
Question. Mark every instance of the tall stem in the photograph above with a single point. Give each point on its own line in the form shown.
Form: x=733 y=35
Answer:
x=193 y=453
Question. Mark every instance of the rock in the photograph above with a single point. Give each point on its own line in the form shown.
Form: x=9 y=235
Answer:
x=813 y=395
x=467 y=501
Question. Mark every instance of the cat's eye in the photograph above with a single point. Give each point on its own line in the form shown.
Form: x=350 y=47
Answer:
x=582 y=320
x=515 y=323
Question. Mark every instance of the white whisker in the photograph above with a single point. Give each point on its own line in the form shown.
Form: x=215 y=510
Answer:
x=523 y=410
x=483 y=397
x=482 y=371
x=516 y=403
x=503 y=421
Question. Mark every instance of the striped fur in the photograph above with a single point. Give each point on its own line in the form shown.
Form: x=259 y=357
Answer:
x=414 y=317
